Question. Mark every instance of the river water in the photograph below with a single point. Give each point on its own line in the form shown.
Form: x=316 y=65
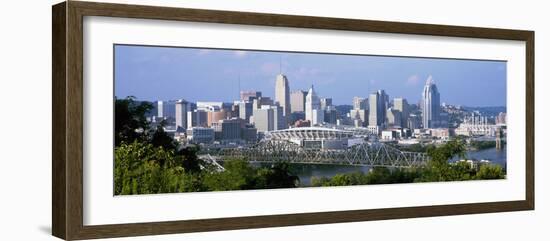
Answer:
x=306 y=171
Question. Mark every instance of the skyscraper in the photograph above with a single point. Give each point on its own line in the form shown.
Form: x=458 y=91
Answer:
x=245 y=110
x=430 y=104
x=279 y=120
x=181 y=114
x=384 y=104
x=282 y=94
x=325 y=102
x=360 y=103
x=359 y=114
x=263 y=119
x=314 y=114
x=232 y=128
x=330 y=115
x=402 y=106
x=160 y=109
x=297 y=101
x=197 y=118
x=375 y=117
x=257 y=103
x=394 y=117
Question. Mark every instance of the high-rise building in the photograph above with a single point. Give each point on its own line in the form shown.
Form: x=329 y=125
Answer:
x=282 y=94
x=414 y=122
x=170 y=109
x=360 y=103
x=231 y=128
x=375 y=117
x=384 y=103
x=234 y=110
x=249 y=95
x=197 y=118
x=279 y=120
x=164 y=109
x=330 y=115
x=314 y=114
x=325 y=103
x=318 y=116
x=260 y=101
x=359 y=114
x=245 y=110
x=394 y=117
x=430 y=104
x=298 y=101
x=215 y=116
x=181 y=114
x=160 y=109
x=402 y=106
x=263 y=119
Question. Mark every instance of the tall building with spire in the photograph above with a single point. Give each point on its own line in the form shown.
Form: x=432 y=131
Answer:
x=314 y=113
x=430 y=104
x=282 y=94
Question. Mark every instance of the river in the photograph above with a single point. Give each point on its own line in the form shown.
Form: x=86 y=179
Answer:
x=306 y=171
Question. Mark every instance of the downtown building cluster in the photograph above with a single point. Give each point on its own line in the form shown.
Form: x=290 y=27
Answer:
x=254 y=115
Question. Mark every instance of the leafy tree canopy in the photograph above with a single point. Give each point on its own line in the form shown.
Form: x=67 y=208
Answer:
x=130 y=121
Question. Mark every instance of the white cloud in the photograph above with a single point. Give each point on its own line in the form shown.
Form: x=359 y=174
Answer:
x=413 y=80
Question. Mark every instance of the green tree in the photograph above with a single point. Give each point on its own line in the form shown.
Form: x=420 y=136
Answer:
x=481 y=145
x=161 y=139
x=238 y=175
x=320 y=181
x=188 y=159
x=378 y=175
x=141 y=168
x=277 y=176
x=130 y=121
x=403 y=175
x=438 y=168
x=489 y=171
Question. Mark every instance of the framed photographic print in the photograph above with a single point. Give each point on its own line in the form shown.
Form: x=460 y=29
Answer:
x=171 y=120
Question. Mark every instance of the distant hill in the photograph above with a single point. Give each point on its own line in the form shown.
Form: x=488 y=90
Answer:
x=487 y=110
x=343 y=109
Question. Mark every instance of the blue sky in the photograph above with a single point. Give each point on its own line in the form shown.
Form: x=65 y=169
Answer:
x=166 y=73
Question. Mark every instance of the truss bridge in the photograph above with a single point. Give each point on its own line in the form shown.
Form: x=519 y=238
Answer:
x=364 y=154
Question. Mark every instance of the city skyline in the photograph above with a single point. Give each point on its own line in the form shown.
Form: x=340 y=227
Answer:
x=278 y=134
x=165 y=73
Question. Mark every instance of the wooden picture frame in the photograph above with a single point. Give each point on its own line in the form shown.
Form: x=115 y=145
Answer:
x=67 y=124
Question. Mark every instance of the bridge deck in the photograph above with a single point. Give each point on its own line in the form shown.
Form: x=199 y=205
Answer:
x=359 y=155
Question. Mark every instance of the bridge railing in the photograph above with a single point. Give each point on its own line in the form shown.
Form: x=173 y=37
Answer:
x=366 y=154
